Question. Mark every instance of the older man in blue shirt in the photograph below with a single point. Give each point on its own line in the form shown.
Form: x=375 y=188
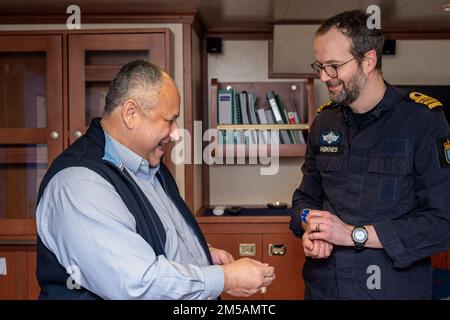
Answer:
x=110 y=214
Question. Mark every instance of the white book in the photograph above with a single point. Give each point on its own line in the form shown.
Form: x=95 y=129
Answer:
x=300 y=136
x=275 y=109
x=225 y=106
x=261 y=115
x=274 y=139
x=244 y=108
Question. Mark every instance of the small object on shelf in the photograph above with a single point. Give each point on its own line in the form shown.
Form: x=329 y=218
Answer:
x=277 y=205
x=234 y=211
x=219 y=210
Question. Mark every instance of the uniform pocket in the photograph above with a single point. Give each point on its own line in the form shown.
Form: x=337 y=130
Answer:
x=390 y=164
x=329 y=163
x=387 y=171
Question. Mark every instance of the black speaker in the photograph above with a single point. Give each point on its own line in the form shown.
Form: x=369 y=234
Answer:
x=213 y=45
x=389 y=47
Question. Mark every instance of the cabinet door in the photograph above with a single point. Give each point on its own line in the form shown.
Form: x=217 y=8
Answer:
x=240 y=246
x=13 y=274
x=94 y=60
x=284 y=252
x=31 y=136
x=17 y=272
x=31 y=125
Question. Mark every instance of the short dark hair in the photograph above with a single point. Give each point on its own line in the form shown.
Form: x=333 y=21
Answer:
x=133 y=75
x=353 y=24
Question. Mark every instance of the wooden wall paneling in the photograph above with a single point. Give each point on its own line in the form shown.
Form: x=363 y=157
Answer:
x=54 y=94
x=188 y=114
x=77 y=90
x=33 y=285
x=205 y=122
x=15 y=283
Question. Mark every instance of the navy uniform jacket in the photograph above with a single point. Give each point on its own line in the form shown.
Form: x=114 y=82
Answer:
x=394 y=173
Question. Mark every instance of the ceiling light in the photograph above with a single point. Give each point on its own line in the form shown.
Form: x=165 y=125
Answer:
x=446 y=7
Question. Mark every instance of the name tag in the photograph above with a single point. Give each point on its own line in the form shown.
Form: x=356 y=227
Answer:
x=330 y=141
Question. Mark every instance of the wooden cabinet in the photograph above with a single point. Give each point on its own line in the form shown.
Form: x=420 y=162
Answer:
x=94 y=59
x=49 y=94
x=31 y=126
x=17 y=276
x=264 y=238
x=268 y=239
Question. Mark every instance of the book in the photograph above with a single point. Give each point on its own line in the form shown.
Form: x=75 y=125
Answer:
x=225 y=99
x=272 y=137
x=263 y=134
x=284 y=136
x=237 y=110
x=293 y=118
x=251 y=98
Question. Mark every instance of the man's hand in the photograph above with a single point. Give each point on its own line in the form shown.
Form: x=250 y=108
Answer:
x=317 y=249
x=323 y=225
x=220 y=256
x=245 y=277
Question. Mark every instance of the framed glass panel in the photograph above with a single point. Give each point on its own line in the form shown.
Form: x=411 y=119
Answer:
x=23 y=89
x=22 y=168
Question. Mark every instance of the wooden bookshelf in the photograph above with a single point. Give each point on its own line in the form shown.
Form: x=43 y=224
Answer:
x=295 y=96
x=301 y=126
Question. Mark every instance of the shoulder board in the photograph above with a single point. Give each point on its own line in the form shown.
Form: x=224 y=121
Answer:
x=421 y=98
x=329 y=103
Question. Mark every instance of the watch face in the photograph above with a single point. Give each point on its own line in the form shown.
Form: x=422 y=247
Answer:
x=360 y=235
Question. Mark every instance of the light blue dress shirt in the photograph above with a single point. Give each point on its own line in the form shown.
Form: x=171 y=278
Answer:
x=83 y=221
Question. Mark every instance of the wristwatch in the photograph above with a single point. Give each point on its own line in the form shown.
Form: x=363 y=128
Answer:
x=359 y=236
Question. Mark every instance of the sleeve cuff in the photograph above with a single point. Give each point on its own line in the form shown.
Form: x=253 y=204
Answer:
x=392 y=244
x=214 y=282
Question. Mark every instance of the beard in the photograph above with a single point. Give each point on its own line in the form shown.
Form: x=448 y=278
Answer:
x=350 y=90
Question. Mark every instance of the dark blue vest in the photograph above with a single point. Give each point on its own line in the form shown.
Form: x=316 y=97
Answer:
x=88 y=152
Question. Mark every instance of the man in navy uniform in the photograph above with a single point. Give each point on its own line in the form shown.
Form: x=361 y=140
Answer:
x=374 y=202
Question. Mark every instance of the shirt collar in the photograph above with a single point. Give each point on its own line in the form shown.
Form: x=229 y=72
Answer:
x=121 y=156
x=389 y=101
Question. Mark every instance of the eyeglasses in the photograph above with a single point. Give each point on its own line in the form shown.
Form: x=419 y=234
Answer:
x=330 y=70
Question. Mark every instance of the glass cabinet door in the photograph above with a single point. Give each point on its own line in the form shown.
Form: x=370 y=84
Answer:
x=94 y=59
x=31 y=123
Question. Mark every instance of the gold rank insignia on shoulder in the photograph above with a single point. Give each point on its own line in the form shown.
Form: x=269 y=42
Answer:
x=421 y=98
x=319 y=109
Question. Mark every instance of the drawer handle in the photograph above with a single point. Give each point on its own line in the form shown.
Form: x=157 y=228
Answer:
x=3 y=266
x=247 y=249
x=277 y=249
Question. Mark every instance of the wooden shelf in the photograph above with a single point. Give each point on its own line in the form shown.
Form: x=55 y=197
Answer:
x=302 y=126
x=284 y=150
x=296 y=96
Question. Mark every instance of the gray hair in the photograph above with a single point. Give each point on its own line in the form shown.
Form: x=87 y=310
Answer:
x=135 y=75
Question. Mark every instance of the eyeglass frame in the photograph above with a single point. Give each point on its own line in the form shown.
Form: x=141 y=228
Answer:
x=322 y=67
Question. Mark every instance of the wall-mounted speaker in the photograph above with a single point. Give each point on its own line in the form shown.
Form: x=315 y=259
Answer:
x=214 y=45
x=389 y=47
